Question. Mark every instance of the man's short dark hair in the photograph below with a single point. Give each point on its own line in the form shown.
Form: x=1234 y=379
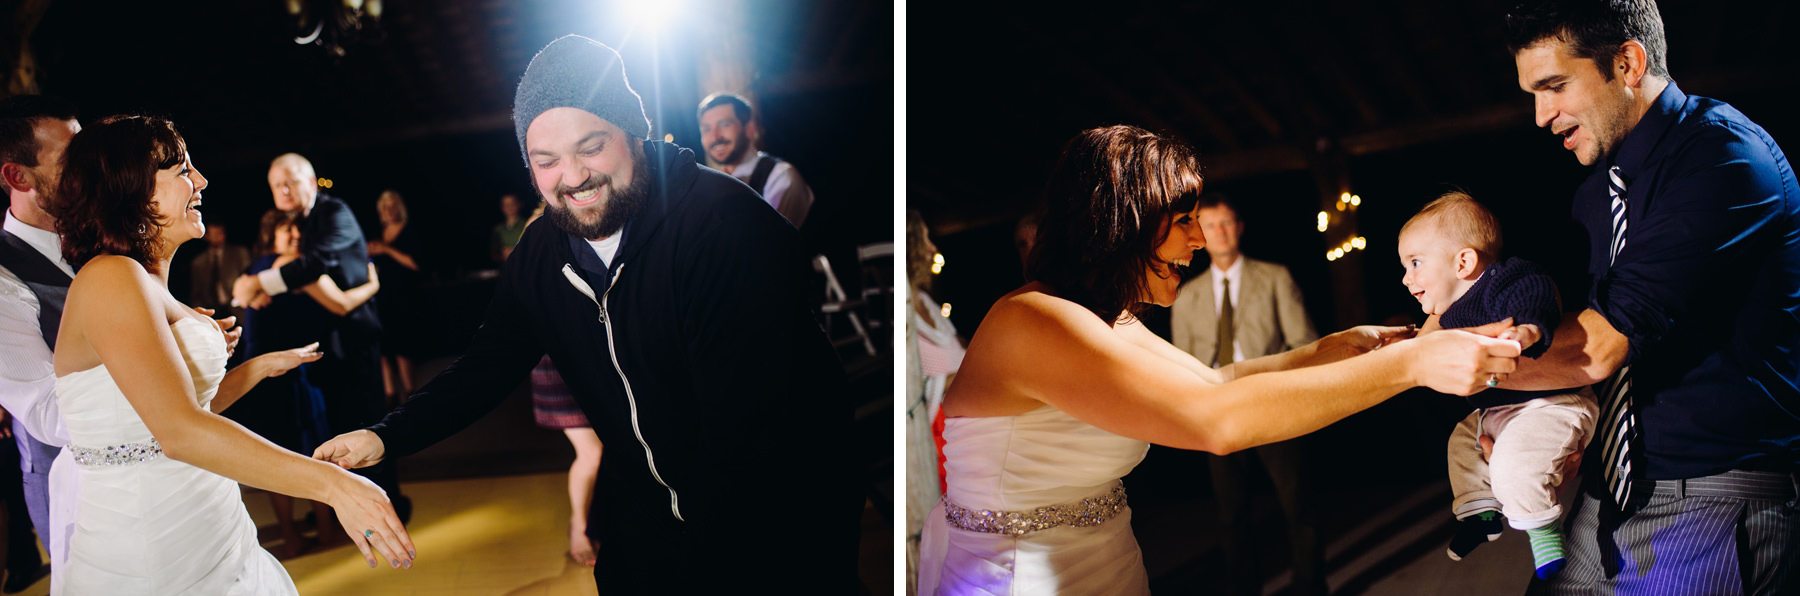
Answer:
x=1219 y=199
x=739 y=105
x=19 y=114
x=1593 y=29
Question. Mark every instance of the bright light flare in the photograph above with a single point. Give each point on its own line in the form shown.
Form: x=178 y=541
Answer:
x=653 y=13
x=945 y=310
x=1324 y=220
x=937 y=263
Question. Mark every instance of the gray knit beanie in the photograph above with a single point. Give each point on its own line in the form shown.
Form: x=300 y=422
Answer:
x=577 y=72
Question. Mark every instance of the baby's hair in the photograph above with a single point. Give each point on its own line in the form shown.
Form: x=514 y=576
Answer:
x=1464 y=221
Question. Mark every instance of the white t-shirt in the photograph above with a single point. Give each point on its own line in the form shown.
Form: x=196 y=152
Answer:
x=607 y=248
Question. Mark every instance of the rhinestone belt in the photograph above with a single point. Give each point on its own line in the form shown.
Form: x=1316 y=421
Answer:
x=1081 y=514
x=117 y=455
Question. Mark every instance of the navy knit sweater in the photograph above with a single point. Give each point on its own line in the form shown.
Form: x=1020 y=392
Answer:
x=1514 y=288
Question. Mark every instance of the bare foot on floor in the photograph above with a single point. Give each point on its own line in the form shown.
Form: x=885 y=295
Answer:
x=581 y=548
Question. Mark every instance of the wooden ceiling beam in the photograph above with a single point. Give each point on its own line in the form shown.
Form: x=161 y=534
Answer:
x=1228 y=138
x=1126 y=101
x=1326 y=46
x=1241 y=91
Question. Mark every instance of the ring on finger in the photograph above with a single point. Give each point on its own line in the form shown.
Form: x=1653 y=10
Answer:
x=1493 y=380
x=368 y=533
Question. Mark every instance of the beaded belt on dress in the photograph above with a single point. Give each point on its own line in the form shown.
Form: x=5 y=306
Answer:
x=1084 y=513
x=116 y=455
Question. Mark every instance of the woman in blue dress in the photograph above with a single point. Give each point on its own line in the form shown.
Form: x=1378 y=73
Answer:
x=289 y=410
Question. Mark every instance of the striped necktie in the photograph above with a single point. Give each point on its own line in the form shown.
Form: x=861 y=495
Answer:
x=1615 y=185
x=1618 y=423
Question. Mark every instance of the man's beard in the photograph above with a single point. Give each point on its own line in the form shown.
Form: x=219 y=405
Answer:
x=739 y=147
x=622 y=204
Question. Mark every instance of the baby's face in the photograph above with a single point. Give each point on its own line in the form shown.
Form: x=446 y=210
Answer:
x=1430 y=265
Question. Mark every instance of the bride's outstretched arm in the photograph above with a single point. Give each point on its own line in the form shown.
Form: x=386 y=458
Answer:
x=125 y=309
x=273 y=364
x=1056 y=352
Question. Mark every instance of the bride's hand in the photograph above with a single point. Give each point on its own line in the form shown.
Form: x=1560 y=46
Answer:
x=1460 y=363
x=368 y=517
x=1360 y=340
x=275 y=364
x=354 y=449
x=227 y=326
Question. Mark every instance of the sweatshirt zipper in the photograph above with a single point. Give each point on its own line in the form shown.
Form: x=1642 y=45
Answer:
x=601 y=301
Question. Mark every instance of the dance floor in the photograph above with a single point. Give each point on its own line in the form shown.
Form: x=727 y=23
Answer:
x=505 y=535
x=491 y=509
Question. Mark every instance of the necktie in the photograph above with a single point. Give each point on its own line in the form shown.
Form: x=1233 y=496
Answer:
x=1618 y=423
x=1616 y=186
x=1227 y=335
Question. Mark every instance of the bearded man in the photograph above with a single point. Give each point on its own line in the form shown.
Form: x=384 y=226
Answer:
x=672 y=301
x=729 y=133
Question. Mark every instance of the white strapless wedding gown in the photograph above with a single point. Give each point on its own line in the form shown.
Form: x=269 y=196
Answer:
x=147 y=524
x=1041 y=458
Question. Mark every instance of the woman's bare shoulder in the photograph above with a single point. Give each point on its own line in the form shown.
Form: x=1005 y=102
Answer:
x=1036 y=313
x=109 y=272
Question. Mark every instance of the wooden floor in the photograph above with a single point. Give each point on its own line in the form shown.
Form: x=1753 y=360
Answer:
x=491 y=509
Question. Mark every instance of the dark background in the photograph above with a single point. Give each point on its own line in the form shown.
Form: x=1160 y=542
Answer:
x=419 y=101
x=1413 y=98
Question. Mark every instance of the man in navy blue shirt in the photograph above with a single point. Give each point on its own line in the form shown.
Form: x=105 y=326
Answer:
x=1693 y=319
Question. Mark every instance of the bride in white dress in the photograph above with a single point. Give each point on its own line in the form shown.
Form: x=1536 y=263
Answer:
x=141 y=378
x=1062 y=390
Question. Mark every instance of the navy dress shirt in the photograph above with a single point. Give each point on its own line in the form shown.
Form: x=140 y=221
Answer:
x=1707 y=288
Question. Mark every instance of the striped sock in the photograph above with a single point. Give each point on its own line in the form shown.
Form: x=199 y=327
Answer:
x=1546 y=550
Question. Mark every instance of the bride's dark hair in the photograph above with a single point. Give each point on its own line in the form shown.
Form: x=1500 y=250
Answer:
x=103 y=204
x=1105 y=211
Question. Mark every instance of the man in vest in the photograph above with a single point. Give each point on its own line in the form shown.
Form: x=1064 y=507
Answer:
x=729 y=136
x=34 y=130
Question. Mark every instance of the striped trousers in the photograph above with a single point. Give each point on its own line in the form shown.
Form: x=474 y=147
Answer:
x=1733 y=534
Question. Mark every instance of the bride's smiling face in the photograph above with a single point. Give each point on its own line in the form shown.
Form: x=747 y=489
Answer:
x=177 y=202
x=1184 y=237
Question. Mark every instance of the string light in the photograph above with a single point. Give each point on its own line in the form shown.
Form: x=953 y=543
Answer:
x=324 y=183
x=1345 y=202
x=669 y=138
x=945 y=310
x=937 y=263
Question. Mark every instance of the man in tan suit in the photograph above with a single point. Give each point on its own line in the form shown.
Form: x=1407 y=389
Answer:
x=213 y=270
x=1266 y=316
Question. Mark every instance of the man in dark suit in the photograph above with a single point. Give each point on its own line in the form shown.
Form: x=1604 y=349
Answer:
x=331 y=243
